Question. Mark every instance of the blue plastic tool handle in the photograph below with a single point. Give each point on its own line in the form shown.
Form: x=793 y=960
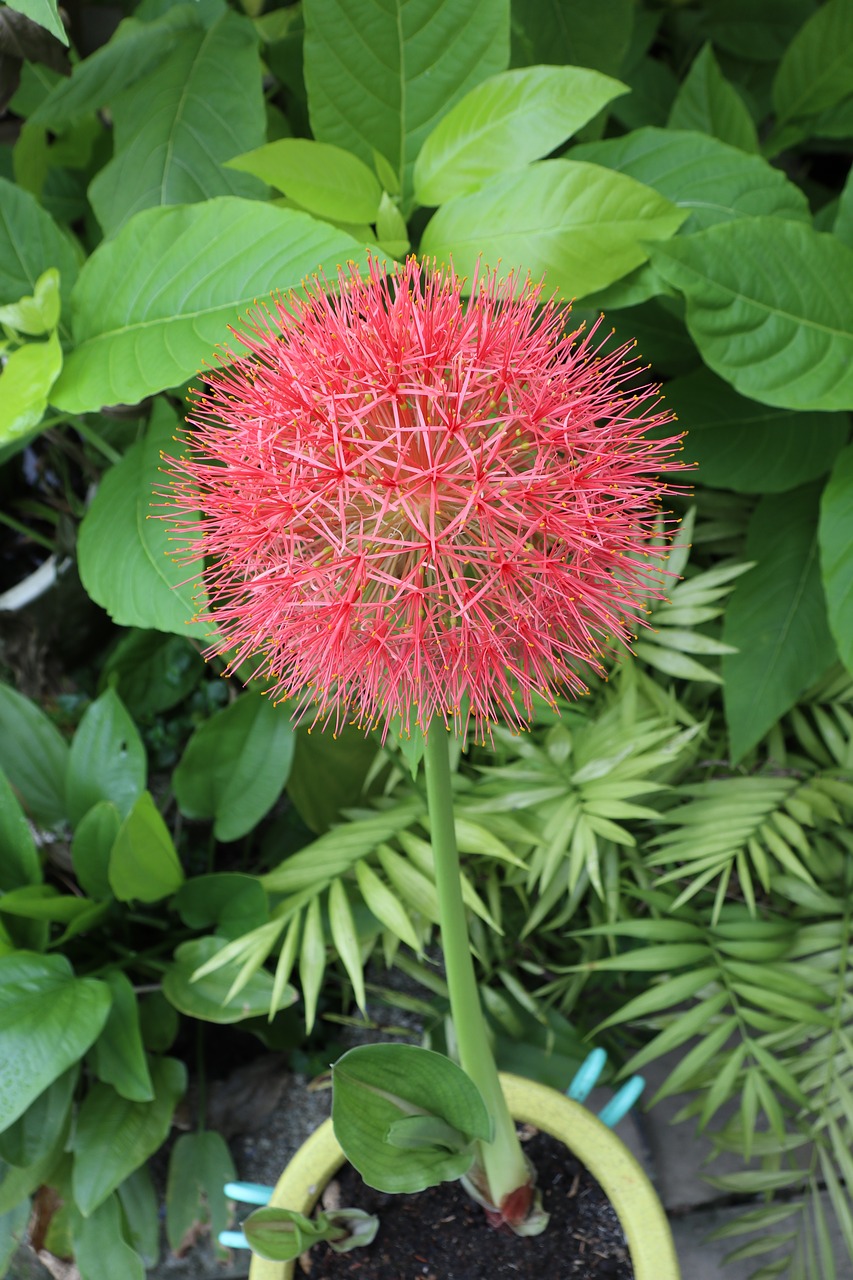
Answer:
x=585 y=1079
x=248 y=1192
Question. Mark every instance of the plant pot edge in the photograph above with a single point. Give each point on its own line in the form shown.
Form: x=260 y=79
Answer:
x=605 y=1155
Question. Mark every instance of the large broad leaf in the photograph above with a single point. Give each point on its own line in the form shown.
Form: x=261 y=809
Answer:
x=406 y=1117
x=144 y=864
x=712 y=181
x=19 y=859
x=151 y=304
x=30 y=242
x=749 y=447
x=509 y=120
x=107 y=759
x=580 y=225
x=572 y=32
x=133 y=50
x=48 y=1019
x=173 y=129
x=115 y=1136
x=206 y=998
x=199 y=1167
x=707 y=103
x=323 y=179
x=45 y=13
x=235 y=766
x=124 y=543
x=25 y=383
x=768 y=306
x=817 y=69
x=379 y=74
x=34 y=755
x=118 y=1055
x=836 y=552
x=100 y=1248
x=776 y=619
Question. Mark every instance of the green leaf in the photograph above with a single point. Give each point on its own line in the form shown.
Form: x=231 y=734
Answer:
x=107 y=759
x=573 y=32
x=125 y=548
x=144 y=865
x=779 y=336
x=25 y=384
x=37 y=313
x=282 y=1234
x=48 y=1019
x=379 y=74
x=91 y=847
x=199 y=1167
x=323 y=179
x=19 y=859
x=835 y=534
x=385 y=905
x=329 y=773
x=206 y=997
x=234 y=903
x=30 y=242
x=714 y=182
x=34 y=756
x=504 y=123
x=578 y=224
x=843 y=227
x=35 y=1134
x=739 y=444
x=151 y=304
x=756 y=30
x=312 y=960
x=115 y=1136
x=134 y=49
x=141 y=1215
x=149 y=671
x=776 y=619
x=378 y=1086
x=707 y=103
x=45 y=13
x=169 y=143
x=345 y=938
x=817 y=69
x=118 y=1055
x=235 y=766
x=100 y=1249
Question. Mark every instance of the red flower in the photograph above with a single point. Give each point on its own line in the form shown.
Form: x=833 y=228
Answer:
x=414 y=501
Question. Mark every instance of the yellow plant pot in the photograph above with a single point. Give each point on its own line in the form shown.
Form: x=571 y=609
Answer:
x=619 y=1174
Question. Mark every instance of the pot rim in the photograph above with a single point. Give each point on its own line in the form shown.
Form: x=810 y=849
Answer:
x=619 y=1173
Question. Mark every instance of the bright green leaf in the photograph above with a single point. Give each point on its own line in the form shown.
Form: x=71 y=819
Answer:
x=48 y=1019
x=125 y=548
x=30 y=242
x=205 y=998
x=580 y=225
x=780 y=336
x=323 y=179
x=504 y=123
x=45 y=13
x=36 y=313
x=144 y=865
x=776 y=619
x=91 y=846
x=25 y=384
x=152 y=303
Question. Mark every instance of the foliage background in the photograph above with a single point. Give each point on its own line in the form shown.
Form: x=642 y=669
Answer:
x=673 y=851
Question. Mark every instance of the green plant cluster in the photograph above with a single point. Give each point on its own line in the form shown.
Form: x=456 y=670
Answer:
x=666 y=864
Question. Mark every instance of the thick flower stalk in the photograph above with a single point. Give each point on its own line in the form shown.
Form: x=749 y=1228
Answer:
x=416 y=504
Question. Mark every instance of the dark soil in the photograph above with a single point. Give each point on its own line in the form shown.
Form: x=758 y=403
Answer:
x=441 y=1234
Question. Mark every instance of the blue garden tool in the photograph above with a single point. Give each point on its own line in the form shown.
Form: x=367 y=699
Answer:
x=583 y=1082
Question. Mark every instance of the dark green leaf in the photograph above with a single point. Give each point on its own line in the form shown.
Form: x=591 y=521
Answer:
x=144 y=864
x=114 y=1136
x=707 y=103
x=573 y=32
x=580 y=225
x=48 y=1019
x=235 y=766
x=836 y=553
x=740 y=444
x=107 y=760
x=781 y=336
x=504 y=123
x=30 y=242
x=199 y=1167
x=152 y=303
x=817 y=69
x=19 y=859
x=152 y=672
x=141 y=1215
x=125 y=550
x=714 y=182
x=234 y=903
x=776 y=619
x=328 y=774
x=379 y=75
x=35 y=1134
x=169 y=142
x=118 y=1056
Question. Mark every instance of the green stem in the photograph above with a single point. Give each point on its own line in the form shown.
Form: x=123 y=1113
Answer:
x=92 y=438
x=27 y=532
x=502 y=1159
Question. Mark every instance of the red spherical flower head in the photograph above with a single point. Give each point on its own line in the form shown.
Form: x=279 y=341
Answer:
x=420 y=504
